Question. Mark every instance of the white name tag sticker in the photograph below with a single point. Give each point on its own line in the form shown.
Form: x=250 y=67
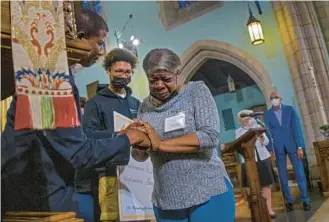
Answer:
x=175 y=122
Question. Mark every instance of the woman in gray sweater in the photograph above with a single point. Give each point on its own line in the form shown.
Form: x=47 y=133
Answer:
x=182 y=122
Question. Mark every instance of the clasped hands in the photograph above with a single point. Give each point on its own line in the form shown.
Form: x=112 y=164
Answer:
x=146 y=136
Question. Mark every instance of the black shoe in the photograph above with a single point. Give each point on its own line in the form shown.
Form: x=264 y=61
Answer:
x=306 y=206
x=273 y=216
x=289 y=207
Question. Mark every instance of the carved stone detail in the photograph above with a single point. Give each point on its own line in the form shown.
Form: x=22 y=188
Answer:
x=324 y=152
x=69 y=18
x=200 y=51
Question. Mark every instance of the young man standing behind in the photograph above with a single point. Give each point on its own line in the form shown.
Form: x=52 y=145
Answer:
x=119 y=64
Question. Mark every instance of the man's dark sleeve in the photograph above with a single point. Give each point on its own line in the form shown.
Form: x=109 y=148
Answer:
x=71 y=143
x=14 y=143
x=81 y=151
x=92 y=122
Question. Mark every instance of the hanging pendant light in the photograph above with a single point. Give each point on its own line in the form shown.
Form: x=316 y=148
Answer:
x=231 y=84
x=255 y=29
x=133 y=41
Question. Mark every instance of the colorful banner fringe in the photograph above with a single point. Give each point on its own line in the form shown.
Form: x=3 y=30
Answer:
x=43 y=85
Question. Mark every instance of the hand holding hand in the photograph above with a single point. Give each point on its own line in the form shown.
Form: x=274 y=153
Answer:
x=132 y=126
x=151 y=133
x=137 y=137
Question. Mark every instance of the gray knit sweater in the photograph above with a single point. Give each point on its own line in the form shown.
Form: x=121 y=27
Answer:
x=183 y=180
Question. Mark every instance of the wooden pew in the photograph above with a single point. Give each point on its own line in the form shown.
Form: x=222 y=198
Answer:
x=322 y=156
x=22 y=216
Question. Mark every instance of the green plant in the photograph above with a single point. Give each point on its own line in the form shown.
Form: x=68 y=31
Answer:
x=324 y=127
x=325 y=130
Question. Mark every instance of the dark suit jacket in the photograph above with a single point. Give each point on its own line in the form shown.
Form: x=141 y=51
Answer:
x=288 y=136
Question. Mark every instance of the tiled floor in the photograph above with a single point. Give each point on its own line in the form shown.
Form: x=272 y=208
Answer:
x=298 y=215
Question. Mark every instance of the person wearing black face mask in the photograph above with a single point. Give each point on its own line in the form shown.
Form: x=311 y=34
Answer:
x=98 y=116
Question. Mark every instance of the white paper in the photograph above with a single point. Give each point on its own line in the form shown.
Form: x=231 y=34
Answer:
x=135 y=183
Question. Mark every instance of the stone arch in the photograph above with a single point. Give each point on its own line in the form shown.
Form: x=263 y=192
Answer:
x=200 y=51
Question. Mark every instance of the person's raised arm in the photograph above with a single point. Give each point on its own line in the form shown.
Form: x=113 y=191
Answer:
x=81 y=151
x=139 y=155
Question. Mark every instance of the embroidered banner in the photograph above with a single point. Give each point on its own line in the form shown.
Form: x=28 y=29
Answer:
x=43 y=85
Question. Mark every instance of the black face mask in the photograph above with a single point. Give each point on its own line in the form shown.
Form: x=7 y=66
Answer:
x=120 y=82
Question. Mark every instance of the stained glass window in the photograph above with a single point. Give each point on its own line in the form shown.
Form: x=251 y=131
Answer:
x=95 y=6
x=184 y=4
x=229 y=123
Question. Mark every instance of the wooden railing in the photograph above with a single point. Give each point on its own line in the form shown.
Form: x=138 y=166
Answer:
x=322 y=156
x=23 y=216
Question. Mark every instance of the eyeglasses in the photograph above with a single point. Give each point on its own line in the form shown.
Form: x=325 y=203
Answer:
x=120 y=72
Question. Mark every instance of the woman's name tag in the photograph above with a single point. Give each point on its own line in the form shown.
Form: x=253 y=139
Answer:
x=175 y=122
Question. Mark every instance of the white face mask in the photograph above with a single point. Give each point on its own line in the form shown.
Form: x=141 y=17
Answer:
x=275 y=102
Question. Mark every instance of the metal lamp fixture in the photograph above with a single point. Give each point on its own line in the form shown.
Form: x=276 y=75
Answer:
x=255 y=29
x=231 y=84
x=133 y=41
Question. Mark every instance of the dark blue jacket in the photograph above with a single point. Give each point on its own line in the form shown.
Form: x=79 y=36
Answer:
x=37 y=167
x=288 y=136
x=98 y=115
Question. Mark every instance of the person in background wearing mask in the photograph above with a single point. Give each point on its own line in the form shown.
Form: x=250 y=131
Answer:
x=284 y=125
x=262 y=157
x=119 y=64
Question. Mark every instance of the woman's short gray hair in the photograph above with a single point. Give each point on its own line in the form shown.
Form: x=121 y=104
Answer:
x=241 y=119
x=161 y=59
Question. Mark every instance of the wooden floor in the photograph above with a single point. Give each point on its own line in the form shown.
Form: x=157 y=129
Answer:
x=322 y=214
x=318 y=213
x=243 y=211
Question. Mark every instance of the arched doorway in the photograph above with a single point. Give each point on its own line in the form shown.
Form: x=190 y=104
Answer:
x=201 y=51
x=243 y=93
x=212 y=62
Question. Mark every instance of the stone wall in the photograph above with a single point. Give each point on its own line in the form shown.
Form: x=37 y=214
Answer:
x=299 y=31
x=322 y=12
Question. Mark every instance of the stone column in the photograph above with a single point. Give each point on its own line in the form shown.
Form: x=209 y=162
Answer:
x=311 y=32
x=303 y=50
x=322 y=12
